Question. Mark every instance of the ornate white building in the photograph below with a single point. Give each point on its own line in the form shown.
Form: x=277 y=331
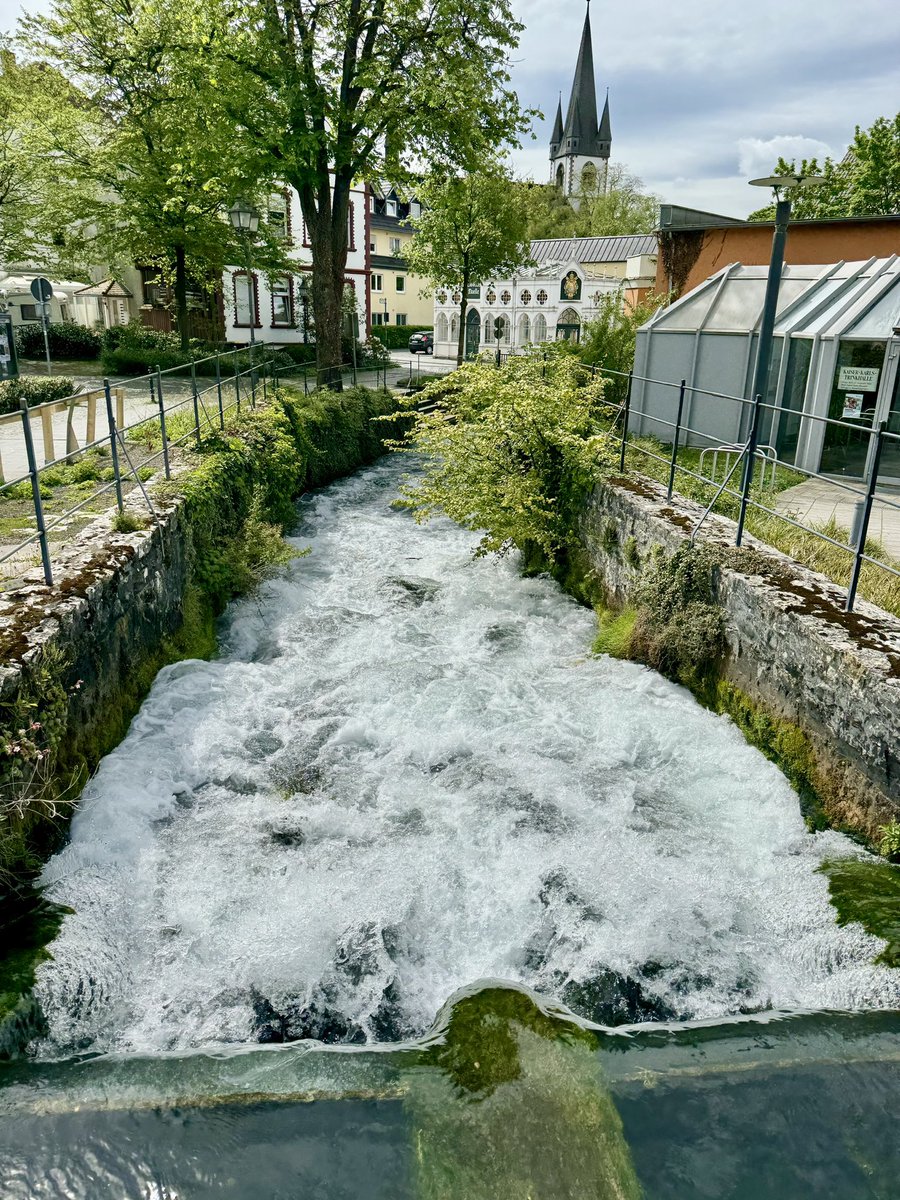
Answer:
x=579 y=150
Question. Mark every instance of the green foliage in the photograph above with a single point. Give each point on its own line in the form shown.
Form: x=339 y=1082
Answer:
x=512 y=451
x=609 y=537
x=868 y=891
x=128 y=522
x=472 y=228
x=631 y=554
x=615 y=632
x=622 y=207
x=396 y=337
x=67 y=340
x=679 y=629
x=136 y=336
x=35 y=389
x=865 y=183
x=608 y=338
x=889 y=844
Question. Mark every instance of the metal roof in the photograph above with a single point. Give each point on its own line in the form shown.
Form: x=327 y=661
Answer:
x=594 y=249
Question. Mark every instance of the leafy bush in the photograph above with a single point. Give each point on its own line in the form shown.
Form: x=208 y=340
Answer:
x=139 y=337
x=679 y=629
x=512 y=451
x=608 y=339
x=396 y=337
x=67 y=340
x=889 y=845
x=135 y=360
x=35 y=389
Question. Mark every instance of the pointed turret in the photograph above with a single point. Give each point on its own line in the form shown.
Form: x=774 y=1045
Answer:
x=557 y=136
x=604 y=133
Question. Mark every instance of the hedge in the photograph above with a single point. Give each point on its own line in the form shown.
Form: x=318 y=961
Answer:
x=396 y=337
x=67 y=340
x=36 y=390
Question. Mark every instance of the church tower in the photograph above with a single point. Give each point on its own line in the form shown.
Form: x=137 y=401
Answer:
x=579 y=149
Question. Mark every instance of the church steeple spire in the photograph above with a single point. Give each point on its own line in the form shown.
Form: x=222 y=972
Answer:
x=580 y=132
x=557 y=136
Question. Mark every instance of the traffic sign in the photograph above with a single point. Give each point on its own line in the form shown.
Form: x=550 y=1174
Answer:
x=41 y=289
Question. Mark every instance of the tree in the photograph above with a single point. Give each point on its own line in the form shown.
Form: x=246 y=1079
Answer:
x=621 y=207
x=608 y=338
x=512 y=451
x=472 y=228
x=865 y=183
x=162 y=159
x=334 y=91
x=39 y=208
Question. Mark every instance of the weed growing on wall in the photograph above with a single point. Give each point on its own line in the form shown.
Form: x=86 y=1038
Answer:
x=512 y=452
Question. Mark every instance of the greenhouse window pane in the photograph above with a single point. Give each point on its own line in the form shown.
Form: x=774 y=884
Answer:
x=882 y=319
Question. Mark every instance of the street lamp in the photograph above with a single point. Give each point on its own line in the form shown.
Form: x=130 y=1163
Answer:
x=779 y=184
x=245 y=220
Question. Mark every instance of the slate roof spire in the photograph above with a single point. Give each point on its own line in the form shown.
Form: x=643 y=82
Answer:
x=581 y=134
x=557 y=136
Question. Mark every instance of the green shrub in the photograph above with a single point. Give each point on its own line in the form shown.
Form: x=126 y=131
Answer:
x=128 y=522
x=139 y=337
x=67 y=340
x=396 y=337
x=889 y=844
x=35 y=389
x=631 y=553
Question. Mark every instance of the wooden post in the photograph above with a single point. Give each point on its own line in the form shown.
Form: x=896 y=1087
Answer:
x=120 y=408
x=91 y=434
x=47 y=432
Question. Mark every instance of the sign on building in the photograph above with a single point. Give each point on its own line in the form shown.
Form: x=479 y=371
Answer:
x=858 y=379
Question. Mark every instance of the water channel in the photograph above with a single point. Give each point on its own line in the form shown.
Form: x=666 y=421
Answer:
x=406 y=784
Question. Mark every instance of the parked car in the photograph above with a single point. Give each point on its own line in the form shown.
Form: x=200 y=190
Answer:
x=421 y=341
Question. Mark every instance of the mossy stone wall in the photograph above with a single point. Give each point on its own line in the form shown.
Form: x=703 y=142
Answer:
x=817 y=689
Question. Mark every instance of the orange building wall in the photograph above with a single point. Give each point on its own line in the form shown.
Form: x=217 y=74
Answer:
x=833 y=242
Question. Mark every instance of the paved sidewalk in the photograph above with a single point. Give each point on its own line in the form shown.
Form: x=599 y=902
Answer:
x=817 y=501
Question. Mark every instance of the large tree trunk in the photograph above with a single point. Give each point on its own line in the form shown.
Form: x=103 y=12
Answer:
x=326 y=212
x=181 y=308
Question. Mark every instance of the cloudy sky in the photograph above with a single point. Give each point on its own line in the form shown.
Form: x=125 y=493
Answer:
x=706 y=94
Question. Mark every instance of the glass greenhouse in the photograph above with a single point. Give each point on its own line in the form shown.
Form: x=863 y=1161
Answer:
x=837 y=337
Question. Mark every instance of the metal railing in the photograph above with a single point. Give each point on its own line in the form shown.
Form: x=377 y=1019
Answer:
x=746 y=456
x=117 y=416
x=159 y=396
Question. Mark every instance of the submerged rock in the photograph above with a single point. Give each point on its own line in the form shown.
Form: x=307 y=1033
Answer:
x=412 y=590
x=610 y=998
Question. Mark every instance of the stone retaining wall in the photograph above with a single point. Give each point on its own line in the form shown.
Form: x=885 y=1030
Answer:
x=791 y=647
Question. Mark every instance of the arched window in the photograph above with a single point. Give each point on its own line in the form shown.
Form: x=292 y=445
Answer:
x=539 y=329
x=568 y=325
x=560 y=177
x=488 y=329
x=504 y=321
x=454 y=328
x=589 y=177
x=524 y=329
x=441 y=328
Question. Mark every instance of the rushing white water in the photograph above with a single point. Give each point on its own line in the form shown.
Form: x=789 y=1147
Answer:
x=405 y=773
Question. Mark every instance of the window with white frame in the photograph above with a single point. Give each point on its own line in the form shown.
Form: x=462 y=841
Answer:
x=377 y=283
x=245 y=299
x=400 y=319
x=396 y=245
x=390 y=207
x=400 y=283
x=29 y=312
x=415 y=209
x=282 y=302
x=440 y=329
x=379 y=318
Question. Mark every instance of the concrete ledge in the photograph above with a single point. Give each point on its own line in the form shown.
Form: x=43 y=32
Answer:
x=791 y=647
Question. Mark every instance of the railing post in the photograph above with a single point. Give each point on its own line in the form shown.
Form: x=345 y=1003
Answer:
x=867 y=513
x=749 y=463
x=674 y=462
x=237 y=379
x=196 y=401
x=162 y=423
x=625 y=423
x=36 y=493
x=113 y=444
x=219 y=391
x=265 y=385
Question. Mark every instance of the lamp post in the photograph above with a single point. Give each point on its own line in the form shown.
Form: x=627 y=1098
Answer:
x=779 y=184
x=245 y=220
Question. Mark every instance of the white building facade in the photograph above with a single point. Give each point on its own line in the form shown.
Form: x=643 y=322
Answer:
x=538 y=304
x=278 y=308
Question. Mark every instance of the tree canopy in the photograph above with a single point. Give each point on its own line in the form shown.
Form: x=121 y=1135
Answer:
x=865 y=183
x=473 y=228
x=623 y=206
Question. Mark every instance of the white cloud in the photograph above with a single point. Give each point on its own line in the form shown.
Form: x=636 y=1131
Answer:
x=758 y=156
